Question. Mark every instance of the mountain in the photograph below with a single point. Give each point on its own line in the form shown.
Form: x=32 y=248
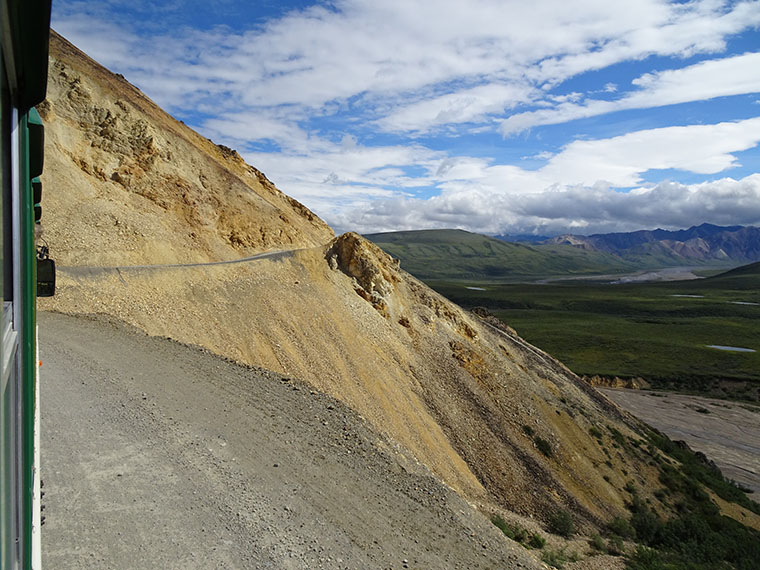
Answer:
x=461 y=255
x=138 y=209
x=698 y=244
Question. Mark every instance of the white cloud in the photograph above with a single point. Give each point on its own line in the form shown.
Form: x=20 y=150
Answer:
x=467 y=105
x=343 y=183
x=706 y=80
x=386 y=51
x=579 y=209
x=333 y=177
x=703 y=149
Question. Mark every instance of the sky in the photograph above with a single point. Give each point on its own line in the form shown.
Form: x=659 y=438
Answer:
x=495 y=116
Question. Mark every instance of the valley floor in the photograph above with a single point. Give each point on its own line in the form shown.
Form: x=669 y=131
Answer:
x=727 y=432
x=160 y=455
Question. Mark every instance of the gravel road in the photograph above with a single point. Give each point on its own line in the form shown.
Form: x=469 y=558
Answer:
x=160 y=455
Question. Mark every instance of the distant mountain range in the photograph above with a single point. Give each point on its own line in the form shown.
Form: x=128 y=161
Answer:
x=460 y=255
x=704 y=243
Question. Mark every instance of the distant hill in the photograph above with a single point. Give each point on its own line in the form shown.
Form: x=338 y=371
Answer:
x=522 y=238
x=698 y=244
x=746 y=277
x=750 y=270
x=461 y=255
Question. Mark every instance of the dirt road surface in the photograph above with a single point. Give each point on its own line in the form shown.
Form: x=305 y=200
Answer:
x=160 y=455
x=727 y=432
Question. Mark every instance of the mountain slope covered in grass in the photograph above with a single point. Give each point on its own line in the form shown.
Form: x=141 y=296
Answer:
x=461 y=255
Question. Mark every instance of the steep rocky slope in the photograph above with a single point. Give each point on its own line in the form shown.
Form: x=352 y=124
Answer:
x=128 y=185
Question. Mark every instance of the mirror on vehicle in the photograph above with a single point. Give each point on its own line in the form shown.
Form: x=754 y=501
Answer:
x=45 y=277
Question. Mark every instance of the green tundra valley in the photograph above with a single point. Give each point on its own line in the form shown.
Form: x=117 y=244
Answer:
x=695 y=335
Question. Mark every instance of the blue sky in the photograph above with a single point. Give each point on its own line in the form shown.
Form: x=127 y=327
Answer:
x=504 y=116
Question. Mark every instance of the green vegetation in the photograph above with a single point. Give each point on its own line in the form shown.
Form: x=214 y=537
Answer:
x=536 y=541
x=597 y=542
x=695 y=471
x=459 y=255
x=561 y=523
x=543 y=446
x=558 y=558
x=519 y=534
x=699 y=537
x=695 y=536
x=615 y=546
x=657 y=331
x=621 y=527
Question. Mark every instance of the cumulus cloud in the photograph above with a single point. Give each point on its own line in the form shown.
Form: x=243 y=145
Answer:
x=480 y=194
x=703 y=149
x=574 y=209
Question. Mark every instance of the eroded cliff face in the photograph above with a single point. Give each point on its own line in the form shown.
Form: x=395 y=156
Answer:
x=144 y=188
x=467 y=396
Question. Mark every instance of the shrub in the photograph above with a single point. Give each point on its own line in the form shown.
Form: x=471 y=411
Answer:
x=618 y=437
x=501 y=523
x=558 y=558
x=528 y=430
x=536 y=541
x=594 y=432
x=615 y=546
x=647 y=525
x=561 y=523
x=697 y=471
x=621 y=527
x=543 y=446
x=648 y=559
x=597 y=543
x=518 y=533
